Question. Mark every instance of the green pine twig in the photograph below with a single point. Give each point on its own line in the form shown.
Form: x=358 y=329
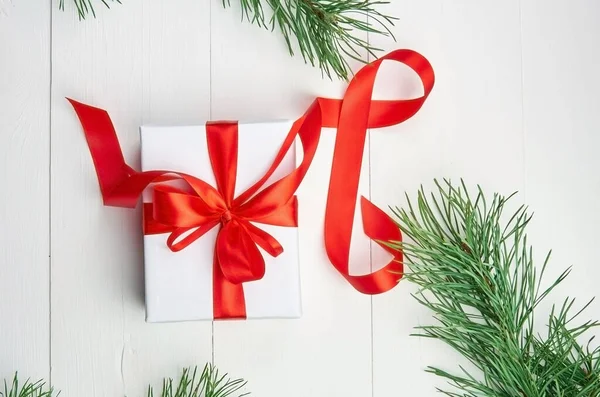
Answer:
x=86 y=7
x=28 y=389
x=326 y=32
x=475 y=272
x=208 y=383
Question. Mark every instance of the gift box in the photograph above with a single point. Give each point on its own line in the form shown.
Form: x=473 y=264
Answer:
x=216 y=249
x=180 y=285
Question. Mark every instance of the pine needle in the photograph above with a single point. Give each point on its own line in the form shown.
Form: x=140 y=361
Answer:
x=86 y=7
x=208 y=383
x=28 y=389
x=475 y=272
x=325 y=32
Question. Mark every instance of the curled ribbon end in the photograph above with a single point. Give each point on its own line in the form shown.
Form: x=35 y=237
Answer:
x=78 y=105
x=278 y=251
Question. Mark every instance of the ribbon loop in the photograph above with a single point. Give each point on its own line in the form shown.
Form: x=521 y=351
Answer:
x=243 y=264
x=186 y=241
x=355 y=114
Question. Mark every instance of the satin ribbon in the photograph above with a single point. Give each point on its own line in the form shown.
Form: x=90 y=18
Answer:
x=352 y=116
x=237 y=258
x=189 y=214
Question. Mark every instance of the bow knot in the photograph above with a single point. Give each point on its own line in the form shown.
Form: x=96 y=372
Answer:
x=188 y=214
x=226 y=217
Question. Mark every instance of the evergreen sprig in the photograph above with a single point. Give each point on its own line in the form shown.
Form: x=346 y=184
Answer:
x=28 y=389
x=325 y=32
x=208 y=383
x=85 y=7
x=475 y=272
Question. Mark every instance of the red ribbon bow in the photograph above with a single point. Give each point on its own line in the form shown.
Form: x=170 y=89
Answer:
x=190 y=214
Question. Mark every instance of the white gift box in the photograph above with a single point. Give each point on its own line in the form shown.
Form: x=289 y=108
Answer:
x=179 y=285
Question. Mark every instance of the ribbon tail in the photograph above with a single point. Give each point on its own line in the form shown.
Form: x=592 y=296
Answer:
x=378 y=226
x=121 y=185
x=264 y=240
x=228 y=298
x=103 y=143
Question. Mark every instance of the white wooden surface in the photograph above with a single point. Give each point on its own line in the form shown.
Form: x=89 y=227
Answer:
x=515 y=108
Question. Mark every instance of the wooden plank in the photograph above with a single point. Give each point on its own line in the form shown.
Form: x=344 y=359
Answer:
x=327 y=351
x=143 y=63
x=96 y=61
x=24 y=177
x=176 y=86
x=560 y=58
x=470 y=127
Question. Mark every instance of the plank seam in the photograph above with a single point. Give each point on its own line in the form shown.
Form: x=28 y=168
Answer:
x=50 y=88
x=210 y=113
x=523 y=131
x=372 y=341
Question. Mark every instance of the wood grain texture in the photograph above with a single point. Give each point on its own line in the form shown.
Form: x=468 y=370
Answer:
x=24 y=181
x=152 y=68
x=514 y=108
x=471 y=128
x=96 y=61
x=561 y=121
x=327 y=351
x=175 y=67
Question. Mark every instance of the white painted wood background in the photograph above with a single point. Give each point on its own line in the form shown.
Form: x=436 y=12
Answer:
x=515 y=107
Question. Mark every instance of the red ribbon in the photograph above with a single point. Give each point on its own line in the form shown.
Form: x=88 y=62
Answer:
x=352 y=116
x=191 y=213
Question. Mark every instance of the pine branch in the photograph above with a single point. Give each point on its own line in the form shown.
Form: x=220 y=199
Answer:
x=86 y=7
x=28 y=389
x=209 y=383
x=325 y=31
x=476 y=274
